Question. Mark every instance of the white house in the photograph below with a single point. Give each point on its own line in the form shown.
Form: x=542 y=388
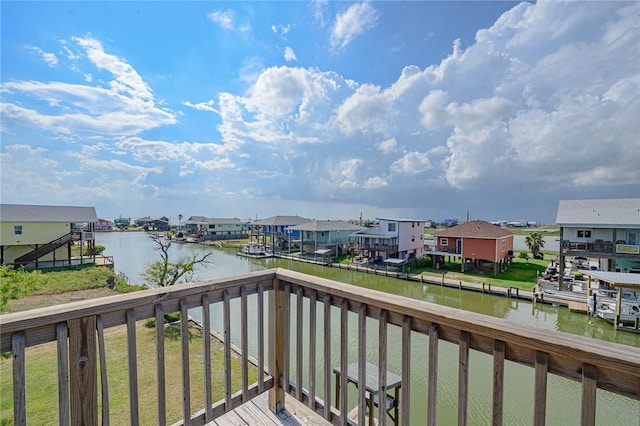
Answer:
x=212 y=228
x=393 y=239
x=325 y=236
x=603 y=229
x=277 y=231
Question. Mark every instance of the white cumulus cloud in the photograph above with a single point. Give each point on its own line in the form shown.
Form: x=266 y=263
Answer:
x=125 y=106
x=224 y=18
x=50 y=58
x=289 y=54
x=411 y=163
x=388 y=145
x=201 y=106
x=354 y=21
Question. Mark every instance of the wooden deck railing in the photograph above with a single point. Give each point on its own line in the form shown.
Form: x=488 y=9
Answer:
x=293 y=306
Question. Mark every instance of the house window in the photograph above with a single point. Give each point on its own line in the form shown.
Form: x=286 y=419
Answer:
x=392 y=227
x=444 y=241
x=212 y=226
x=17 y=230
x=504 y=245
x=584 y=233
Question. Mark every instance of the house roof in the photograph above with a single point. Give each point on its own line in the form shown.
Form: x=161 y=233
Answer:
x=475 y=229
x=616 y=279
x=215 y=220
x=39 y=213
x=602 y=212
x=395 y=219
x=375 y=232
x=326 y=225
x=156 y=221
x=281 y=221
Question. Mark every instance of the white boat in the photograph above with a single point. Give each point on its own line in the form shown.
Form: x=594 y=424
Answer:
x=629 y=311
x=253 y=250
x=180 y=238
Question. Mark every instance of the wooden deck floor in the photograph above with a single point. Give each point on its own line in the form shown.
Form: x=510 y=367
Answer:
x=256 y=412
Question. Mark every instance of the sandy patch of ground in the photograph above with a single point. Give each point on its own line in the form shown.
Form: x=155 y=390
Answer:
x=43 y=300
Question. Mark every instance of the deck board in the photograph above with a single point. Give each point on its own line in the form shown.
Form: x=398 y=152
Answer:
x=256 y=412
x=232 y=418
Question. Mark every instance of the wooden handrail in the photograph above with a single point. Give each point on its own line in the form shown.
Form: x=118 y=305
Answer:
x=621 y=364
x=594 y=363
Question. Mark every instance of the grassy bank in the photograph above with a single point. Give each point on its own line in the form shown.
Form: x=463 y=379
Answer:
x=521 y=273
x=15 y=284
x=42 y=402
x=235 y=244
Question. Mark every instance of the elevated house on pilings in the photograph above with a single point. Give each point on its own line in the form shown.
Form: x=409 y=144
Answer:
x=214 y=228
x=38 y=236
x=474 y=242
x=326 y=237
x=277 y=232
x=393 y=240
x=606 y=229
x=155 y=225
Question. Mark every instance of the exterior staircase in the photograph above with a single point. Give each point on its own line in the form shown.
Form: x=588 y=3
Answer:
x=37 y=253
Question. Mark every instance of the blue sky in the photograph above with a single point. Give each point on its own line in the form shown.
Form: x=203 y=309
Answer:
x=322 y=109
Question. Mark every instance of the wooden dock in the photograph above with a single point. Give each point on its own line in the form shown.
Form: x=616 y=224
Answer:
x=578 y=307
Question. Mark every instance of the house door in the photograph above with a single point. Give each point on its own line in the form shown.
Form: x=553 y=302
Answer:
x=458 y=246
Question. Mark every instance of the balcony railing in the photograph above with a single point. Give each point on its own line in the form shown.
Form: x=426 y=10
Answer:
x=576 y=246
x=286 y=301
x=442 y=249
x=379 y=247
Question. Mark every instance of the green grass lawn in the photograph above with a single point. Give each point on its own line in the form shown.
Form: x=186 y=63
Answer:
x=46 y=282
x=42 y=401
x=520 y=273
x=237 y=244
x=17 y=284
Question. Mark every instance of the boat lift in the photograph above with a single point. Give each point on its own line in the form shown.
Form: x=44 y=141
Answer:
x=618 y=280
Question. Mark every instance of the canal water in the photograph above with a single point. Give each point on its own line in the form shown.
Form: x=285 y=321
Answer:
x=133 y=250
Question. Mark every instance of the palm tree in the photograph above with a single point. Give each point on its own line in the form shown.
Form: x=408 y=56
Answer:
x=535 y=242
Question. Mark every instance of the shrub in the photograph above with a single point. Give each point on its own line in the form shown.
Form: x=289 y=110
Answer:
x=423 y=262
x=97 y=250
x=169 y=318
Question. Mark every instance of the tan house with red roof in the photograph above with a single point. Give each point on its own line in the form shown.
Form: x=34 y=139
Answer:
x=474 y=242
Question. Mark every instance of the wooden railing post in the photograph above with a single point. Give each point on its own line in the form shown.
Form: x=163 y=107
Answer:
x=83 y=371
x=276 y=345
x=19 y=379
